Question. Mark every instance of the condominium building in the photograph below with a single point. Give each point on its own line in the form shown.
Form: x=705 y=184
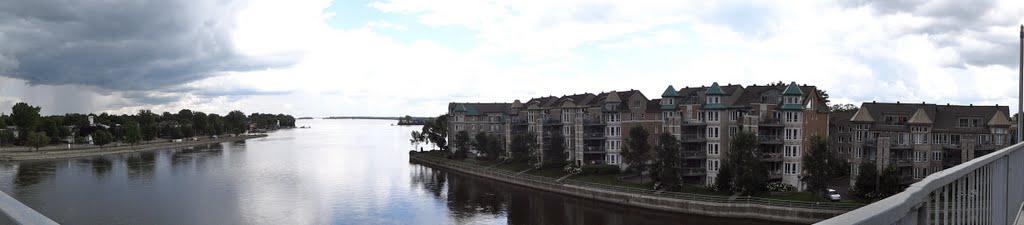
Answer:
x=477 y=117
x=920 y=139
x=704 y=119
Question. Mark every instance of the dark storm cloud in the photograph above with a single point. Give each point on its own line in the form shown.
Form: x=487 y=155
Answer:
x=954 y=21
x=120 y=45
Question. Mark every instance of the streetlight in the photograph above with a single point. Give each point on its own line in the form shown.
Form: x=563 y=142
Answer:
x=1020 y=99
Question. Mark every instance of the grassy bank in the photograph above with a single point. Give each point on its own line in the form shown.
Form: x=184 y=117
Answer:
x=98 y=151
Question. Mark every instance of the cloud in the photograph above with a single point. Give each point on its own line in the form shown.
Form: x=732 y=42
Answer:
x=121 y=45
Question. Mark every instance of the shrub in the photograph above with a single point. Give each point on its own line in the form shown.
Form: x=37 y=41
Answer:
x=780 y=186
x=572 y=169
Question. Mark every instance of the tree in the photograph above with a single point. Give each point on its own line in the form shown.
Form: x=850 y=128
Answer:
x=133 y=134
x=750 y=174
x=461 y=144
x=865 y=184
x=820 y=165
x=637 y=151
x=668 y=162
x=235 y=122
x=37 y=139
x=26 y=117
x=522 y=145
x=436 y=131
x=723 y=181
x=52 y=129
x=844 y=108
x=889 y=182
x=102 y=137
x=555 y=152
x=495 y=147
x=485 y=143
x=824 y=96
x=416 y=139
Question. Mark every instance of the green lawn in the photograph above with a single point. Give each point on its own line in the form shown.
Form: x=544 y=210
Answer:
x=610 y=180
x=437 y=153
x=797 y=196
x=549 y=172
x=698 y=189
x=514 y=167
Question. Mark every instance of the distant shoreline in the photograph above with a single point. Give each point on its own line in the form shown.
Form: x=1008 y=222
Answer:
x=12 y=156
x=360 y=118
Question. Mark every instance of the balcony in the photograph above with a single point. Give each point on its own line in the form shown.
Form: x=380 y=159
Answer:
x=905 y=145
x=594 y=136
x=692 y=138
x=770 y=139
x=769 y=121
x=870 y=142
x=593 y=122
x=772 y=157
x=694 y=154
x=593 y=149
x=693 y=122
x=694 y=172
x=987 y=145
x=518 y=121
x=902 y=162
x=552 y=122
x=775 y=174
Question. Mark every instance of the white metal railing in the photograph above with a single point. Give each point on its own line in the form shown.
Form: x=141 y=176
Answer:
x=19 y=213
x=986 y=190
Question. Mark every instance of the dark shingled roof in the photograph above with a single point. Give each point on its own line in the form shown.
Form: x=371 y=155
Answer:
x=945 y=117
x=481 y=108
x=654 y=105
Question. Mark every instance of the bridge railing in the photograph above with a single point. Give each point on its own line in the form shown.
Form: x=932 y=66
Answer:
x=986 y=190
x=15 y=212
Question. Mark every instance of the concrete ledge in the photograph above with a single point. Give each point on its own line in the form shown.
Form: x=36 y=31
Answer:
x=19 y=213
x=741 y=208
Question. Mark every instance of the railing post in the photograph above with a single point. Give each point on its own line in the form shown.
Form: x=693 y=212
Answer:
x=1014 y=185
x=999 y=181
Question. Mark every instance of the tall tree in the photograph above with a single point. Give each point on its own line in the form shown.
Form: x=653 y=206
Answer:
x=820 y=165
x=436 y=131
x=555 y=152
x=37 y=139
x=824 y=96
x=235 y=122
x=889 y=182
x=522 y=145
x=102 y=137
x=844 y=108
x=750 y=174
x=133 y=134
x=637 y=151
x=26 y=117
x=52 y=129
x=483 y=143
x=724 y=179
x=461 y=144
x=865 y=183
x=668 y=161
x=416 y=139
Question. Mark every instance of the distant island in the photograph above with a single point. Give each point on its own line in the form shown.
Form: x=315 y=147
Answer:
x=305 y=118
x=406 y=120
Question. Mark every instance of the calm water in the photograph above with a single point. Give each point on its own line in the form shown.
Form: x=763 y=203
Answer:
x=339 y=172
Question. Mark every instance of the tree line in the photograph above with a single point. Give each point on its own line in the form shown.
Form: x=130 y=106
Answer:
x=37 y=131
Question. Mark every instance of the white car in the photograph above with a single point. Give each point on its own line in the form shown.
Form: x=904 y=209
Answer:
x=833 y=195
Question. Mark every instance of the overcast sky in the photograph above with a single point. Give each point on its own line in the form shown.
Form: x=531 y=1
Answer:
x=398 y=57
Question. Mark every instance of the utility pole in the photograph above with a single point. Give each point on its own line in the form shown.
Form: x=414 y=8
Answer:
x=1020 y=99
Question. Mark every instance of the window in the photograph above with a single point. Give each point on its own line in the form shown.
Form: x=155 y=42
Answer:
x=713 y=165
x=793 y=117
x=854 y=169
x=920 y=173
x=713 y=149
x=791 y=151
x=954 y=139
x=714 y=100
x=920 y=156
x=712 y=116
x=732 y=131
x=936 y=155
x=969 y=122
x=669 y=101
x=712 y=132
x=791 y=168
x=999 y=136
x=920 y=134
x=793 y=134
x=895 y=119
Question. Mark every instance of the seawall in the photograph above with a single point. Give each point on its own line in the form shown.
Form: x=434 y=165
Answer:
x=705 y=205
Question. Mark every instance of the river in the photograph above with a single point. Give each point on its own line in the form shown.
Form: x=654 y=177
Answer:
x=337 y=172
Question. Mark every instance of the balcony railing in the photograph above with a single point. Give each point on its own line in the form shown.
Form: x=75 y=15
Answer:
x=902 y=161
x=769 y=138
x=693 y=122
x=694 y=172
x=775 y=174
x=593 y=149
x=593 y=122
x=691 y=138
x=595 y=135
x=770 y=121
x=900 y=145
x=553 y=122
x=986 y=190
x=694 y=154
x=772 y=157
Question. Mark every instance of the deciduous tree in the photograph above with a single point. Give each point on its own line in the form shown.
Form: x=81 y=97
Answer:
x=820 y=165
x=667 y=164
x=133 y=134
x=637 y=151
x=37 y=139
x=102 y=137
x=750 y=174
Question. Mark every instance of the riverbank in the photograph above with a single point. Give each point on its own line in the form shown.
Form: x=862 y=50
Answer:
x=705 y=205
x=51 y=153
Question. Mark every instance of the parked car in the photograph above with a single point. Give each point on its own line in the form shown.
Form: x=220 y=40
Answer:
x=833 y=195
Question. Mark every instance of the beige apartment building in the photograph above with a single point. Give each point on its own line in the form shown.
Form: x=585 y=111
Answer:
x=919 y=139
x=595 y=126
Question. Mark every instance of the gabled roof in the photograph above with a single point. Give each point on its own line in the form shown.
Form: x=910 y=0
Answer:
x=654 y=105
x=477 y=109
x=670 y=92
x=516 y=104
x=714 y=90
x=920 y=117
x=999 y=119
x=793 y=89
x=613 y=97
x=862 y=115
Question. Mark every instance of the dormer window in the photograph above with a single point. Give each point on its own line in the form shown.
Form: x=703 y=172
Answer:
x=668 y=101
x=714 y=100
x=792 y=100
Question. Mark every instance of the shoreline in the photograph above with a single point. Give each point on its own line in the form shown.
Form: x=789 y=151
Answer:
x=714 y=206
x=42 y=155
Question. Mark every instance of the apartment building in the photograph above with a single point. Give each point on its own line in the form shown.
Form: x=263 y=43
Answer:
x=920 y=139
x=477 y=117
x=704 y=119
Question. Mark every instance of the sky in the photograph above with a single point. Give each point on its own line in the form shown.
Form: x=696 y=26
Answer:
x=411 y=57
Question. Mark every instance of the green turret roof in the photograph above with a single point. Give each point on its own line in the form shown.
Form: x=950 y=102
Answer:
x=460 y=108
x=714 y=90
x=793 y=89
x=670 y=92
